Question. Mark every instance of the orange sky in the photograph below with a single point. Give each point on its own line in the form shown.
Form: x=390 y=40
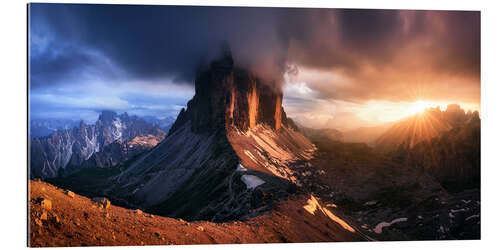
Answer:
x=367 y=69
x=390 y=103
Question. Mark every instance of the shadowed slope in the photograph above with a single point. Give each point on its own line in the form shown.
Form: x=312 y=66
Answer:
x=234 y=119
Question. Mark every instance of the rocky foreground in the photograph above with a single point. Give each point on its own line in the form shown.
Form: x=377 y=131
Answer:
x=61 y=218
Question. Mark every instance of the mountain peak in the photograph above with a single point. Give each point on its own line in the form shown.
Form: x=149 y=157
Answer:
x=227 y=96
x=107 y=116
x=424 y=127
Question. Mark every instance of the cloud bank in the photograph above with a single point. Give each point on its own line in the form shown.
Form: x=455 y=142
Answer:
x=342 y=55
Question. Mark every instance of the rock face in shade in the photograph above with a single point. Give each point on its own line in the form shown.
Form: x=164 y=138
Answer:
x=454 y=157
x=422 y=127
x=119 y=151
x=66 y=151
x=445 y=144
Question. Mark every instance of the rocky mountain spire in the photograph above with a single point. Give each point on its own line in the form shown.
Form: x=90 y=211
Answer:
x=227 y=96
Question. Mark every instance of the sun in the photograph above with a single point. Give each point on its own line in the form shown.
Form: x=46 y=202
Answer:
x=418 y=107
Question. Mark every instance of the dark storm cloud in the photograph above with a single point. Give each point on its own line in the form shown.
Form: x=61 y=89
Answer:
x=435 y=54
x=351 y=37
x=157 y=41
x=380 y=53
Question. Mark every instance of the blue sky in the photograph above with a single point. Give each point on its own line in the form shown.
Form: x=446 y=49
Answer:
x=139 y=59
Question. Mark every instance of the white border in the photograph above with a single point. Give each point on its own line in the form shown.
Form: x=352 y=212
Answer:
x=13 y=114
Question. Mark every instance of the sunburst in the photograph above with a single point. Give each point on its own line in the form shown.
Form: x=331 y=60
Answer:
x=419 y=106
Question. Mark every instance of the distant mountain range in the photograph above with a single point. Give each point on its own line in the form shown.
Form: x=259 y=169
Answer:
x=45 y=127
x=388 y=137
x=367 y=135
x=319 y=134
x=423 y=126
x=111 y=140
x=40 y=127
x=164 y=123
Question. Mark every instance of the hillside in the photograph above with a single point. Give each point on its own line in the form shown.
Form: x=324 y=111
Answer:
x=367 y=135
x=374 y=190
x=77 y=221
x=453 y=158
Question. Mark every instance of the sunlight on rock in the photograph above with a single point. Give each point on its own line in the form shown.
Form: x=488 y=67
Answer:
x=313 y=205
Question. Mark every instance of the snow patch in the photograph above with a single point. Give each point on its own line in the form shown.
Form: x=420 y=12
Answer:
x=241 y=168
x=252 y=181
x=117 y=132
x=370 y=203
x=381 y=225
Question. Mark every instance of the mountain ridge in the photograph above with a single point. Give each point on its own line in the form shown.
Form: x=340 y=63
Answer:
x=63 y=151
x=233 y=119
x=423 y=126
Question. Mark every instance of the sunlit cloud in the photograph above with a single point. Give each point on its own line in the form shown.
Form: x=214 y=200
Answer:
x=353 y=67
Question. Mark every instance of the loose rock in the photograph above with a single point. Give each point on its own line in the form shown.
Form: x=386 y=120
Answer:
x=69 y=193
x=45 y=203
x=102 y=202
x=38 y=222
x=43 y=216
x=56 y=219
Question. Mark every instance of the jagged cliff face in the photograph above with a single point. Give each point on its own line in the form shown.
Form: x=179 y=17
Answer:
x=66 y=151
x=230 y=97
x=228 y=153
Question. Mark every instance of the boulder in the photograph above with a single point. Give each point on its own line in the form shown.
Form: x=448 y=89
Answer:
x=38 y=222
x=69 y=193
x=56 y=219
x=102 y=202
x=45 y=203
